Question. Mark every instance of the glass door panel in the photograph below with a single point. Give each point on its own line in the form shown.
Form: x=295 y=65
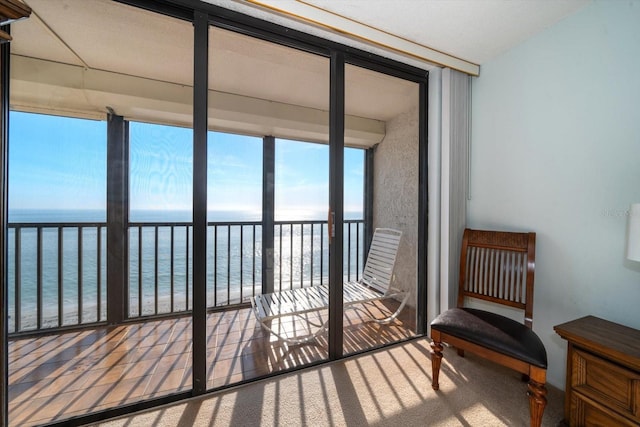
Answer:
x=301 y=243
x=79 y=75
x=268 y=122
x=354 y=213
x=381 y=117
x=234 y=218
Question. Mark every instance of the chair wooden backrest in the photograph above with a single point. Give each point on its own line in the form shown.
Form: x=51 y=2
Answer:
x=498 y=267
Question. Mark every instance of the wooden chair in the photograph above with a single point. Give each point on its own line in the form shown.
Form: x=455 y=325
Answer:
x=497 y=267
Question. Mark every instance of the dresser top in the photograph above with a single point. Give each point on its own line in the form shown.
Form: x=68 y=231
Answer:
x=619 y=343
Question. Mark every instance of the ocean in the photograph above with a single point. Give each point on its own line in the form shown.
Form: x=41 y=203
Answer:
x=73 y=262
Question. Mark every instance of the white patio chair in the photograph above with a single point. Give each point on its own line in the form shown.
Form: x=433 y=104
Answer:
x=375 y=285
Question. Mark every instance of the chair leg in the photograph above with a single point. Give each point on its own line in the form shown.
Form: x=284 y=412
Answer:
x=436 y=359
x=537 y=402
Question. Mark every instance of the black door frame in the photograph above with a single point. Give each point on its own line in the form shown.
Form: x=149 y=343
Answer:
x=203 y=15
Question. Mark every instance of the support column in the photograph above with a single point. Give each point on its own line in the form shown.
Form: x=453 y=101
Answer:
x=368 y=198
x=268 y=212
x=117 y=217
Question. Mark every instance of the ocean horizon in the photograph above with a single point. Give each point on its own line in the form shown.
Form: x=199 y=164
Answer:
x=234 y=266
x=165 y=215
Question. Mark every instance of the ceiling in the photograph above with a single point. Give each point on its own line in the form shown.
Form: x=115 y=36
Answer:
x=79 y=57
x=473 y=30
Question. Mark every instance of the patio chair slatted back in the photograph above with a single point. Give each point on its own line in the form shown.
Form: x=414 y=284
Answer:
x=378 y=270
x=375 y=285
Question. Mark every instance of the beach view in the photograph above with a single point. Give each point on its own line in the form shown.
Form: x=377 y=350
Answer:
x=57 y=219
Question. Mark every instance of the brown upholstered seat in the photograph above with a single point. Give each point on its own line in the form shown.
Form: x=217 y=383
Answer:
x=493 y=331
x=498 y=267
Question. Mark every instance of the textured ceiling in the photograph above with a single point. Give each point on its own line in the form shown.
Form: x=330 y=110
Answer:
x=103 y=35
x=108 y=36
x=474 y=30
x=83 y=58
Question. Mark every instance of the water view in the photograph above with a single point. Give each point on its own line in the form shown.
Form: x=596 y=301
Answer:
x=73 y=262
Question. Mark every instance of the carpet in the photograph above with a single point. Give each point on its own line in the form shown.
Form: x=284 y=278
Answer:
x=389 y=387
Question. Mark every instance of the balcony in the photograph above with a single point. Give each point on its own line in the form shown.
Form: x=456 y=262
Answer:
x=64 y=361
x=68 y=374
x=57 y=270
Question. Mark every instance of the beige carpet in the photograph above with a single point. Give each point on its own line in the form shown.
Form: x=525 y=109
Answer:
x=390 y=387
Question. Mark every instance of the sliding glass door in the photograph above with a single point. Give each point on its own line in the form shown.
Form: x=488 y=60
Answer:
x=268 y=203
x=382 y=116
x=168 y=171
x=99 y=209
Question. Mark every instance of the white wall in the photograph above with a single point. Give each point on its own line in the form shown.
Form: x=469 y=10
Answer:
x=556 y=150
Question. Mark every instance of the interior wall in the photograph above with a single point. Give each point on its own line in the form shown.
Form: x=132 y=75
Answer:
x=395 y=193
x=555 y=150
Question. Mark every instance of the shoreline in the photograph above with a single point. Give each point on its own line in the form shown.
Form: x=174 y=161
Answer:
x=70 y=314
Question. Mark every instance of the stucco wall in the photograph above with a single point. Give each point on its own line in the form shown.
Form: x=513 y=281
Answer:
x=395 y=187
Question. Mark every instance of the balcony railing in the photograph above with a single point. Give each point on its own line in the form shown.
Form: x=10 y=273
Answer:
x=57 y=271
x=56 y=274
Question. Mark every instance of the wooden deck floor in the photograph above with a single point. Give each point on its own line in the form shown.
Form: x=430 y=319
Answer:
x=55 y=377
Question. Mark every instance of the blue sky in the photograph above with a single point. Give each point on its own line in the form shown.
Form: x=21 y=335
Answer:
x=56 y=162
x=60 y=163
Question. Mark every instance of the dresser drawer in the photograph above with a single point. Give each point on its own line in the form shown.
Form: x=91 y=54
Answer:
x=585 y=413
x=611 y=385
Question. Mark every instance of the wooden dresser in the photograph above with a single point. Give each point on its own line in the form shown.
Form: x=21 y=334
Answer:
x=603 y=373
